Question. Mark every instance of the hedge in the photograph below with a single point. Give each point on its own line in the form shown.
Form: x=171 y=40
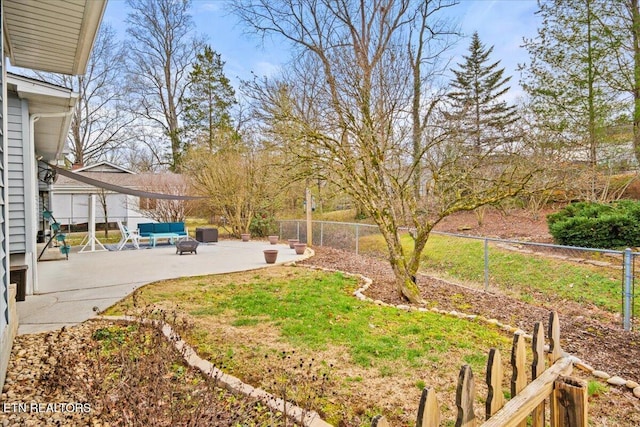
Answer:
x=596 y=225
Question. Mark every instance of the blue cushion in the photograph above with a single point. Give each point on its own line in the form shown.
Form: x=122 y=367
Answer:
x=161 y=227
x=176 y=227
x=145 y=228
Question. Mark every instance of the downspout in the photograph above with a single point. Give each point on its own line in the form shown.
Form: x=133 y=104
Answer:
x=32 y=190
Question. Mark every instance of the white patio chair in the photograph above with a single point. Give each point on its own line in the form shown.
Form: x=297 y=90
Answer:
x=128 y=235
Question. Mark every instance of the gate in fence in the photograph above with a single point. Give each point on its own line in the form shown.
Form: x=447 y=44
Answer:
x=567 y=396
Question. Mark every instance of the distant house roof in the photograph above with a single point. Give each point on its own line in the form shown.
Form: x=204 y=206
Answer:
x=55 y=36
x=106 y=167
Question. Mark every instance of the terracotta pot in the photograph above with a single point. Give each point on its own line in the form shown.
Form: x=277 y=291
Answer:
x=270 y=255
x=292 y=242
x=245 y=237
x=300 y=248
x=273 y=239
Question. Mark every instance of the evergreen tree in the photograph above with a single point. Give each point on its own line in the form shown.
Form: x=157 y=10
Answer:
x=207 y=111
x=570 y=71
x=482 y=118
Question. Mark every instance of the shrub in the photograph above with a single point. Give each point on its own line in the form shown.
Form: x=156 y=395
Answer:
x=597 y=225
x=263 y=224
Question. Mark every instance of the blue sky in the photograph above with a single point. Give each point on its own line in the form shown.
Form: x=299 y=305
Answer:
x=500 y=23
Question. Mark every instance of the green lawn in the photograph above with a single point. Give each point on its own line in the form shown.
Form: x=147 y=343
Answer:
x=524 y=275
x=243 y=320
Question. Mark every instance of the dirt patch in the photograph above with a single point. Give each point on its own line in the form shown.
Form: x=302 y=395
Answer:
x=517 y=224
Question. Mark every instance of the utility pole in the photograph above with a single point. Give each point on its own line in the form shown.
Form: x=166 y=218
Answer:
x=309 y=224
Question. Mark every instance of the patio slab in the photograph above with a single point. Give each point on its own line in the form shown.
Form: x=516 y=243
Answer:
x=74 y=290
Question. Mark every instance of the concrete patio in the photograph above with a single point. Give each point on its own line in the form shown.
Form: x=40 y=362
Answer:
x=74 y=290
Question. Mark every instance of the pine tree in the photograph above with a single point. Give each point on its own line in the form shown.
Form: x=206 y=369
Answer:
x=568 y=77
x=481 y=117
x=207 y=111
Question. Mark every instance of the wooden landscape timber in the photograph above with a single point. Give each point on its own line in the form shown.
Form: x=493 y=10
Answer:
x=567 y=396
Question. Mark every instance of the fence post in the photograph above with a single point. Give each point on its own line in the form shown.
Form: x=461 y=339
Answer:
x=357 y=237
x=495 y=398
x=486 y=265
x=570 y=403
x=298 y=230
x=280 y=235
x=518 y=360
x=428 y=410
x=626 y=294
x=537 y=368
x=465 y=395
x=321 y=232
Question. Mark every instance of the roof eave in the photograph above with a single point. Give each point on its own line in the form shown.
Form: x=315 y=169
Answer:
x=39 y=57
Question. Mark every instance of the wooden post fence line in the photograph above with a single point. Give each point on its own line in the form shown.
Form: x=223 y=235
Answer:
x=567 y=396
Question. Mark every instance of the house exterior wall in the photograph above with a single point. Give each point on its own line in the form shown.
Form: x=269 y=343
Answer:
x=73 y=207
x=8 y=316
x=17 y=135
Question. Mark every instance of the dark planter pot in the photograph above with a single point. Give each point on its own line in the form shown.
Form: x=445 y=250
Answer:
x=270 y=255
x=273 y=239
x=300 y=248
x=292 y=242
x=245 y=237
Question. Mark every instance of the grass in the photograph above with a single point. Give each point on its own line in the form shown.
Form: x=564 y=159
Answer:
x=76 y=238
x=524 y=275
x=243 y=320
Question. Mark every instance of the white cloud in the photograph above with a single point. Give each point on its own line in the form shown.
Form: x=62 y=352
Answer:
x=266 y=69
x=208 y=6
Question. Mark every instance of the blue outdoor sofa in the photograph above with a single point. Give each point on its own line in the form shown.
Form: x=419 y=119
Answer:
x=155 y=230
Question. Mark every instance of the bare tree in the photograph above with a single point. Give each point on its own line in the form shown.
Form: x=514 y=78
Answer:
x=160 y=53
x=99 y=119
x=238 y=183
x=164 y=210
x=346 y=109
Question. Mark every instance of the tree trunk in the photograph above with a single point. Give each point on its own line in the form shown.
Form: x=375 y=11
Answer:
x=635 y=22
x=405 y=272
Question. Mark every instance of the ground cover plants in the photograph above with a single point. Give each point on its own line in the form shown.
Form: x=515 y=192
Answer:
x=250 y=322
x=119 y=374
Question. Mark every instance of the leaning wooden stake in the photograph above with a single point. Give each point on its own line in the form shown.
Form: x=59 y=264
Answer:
x=428 y=411
x=537 y=368
x=465 y=394
x=518 y=363
x=555 y=351
x=379 y=421
x=495 y=398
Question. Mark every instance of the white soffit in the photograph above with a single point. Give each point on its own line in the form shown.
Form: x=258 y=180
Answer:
x=51 y=35
x=45 y=99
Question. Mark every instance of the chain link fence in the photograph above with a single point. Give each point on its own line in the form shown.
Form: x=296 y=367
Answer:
x=601 y=277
